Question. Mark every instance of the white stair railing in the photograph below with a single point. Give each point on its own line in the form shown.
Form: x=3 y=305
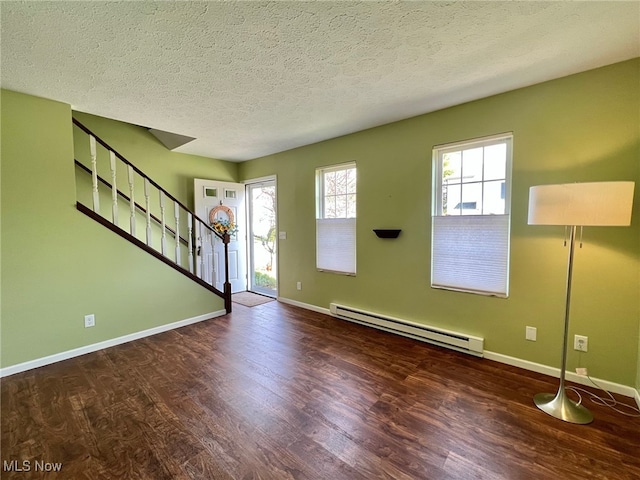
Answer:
x=186 y=237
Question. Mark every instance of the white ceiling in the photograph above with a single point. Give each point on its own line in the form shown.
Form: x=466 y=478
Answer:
x=251 y=78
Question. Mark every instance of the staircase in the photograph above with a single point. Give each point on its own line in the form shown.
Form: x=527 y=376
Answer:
x=143 y=212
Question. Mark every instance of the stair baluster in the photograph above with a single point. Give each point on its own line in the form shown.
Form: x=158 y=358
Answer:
x=214 y=279
x=163 y=225
x=147 y=202
x=202 y=262
x=190 y=240
x=176 y=210
x=114 y=189
x=199 y=233
x=132 y=202
x=94 y=174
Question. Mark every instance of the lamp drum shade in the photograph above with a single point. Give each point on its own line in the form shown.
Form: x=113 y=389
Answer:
x=581 y=204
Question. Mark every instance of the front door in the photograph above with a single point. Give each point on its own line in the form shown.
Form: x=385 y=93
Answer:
x=209 y=194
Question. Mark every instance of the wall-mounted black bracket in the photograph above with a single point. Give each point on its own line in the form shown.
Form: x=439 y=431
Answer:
x=386 y=233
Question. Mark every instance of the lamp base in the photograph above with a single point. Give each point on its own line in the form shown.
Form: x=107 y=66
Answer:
x=562 y=407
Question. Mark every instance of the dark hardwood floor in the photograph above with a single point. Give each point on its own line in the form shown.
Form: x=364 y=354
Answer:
x=278 y=392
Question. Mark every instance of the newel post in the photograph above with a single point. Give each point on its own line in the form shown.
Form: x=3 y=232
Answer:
x=226 y=238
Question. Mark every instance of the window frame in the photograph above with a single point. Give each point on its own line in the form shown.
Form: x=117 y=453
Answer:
x=438 y=153
x=320 y=187
x=320 y=213
x=439 y=150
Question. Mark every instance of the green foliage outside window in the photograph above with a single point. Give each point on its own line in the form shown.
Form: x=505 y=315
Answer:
x=264 y=280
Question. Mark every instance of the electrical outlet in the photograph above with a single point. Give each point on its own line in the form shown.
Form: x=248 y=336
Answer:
x=299 y=285
x=531 y=333
x=581 y=371
x=580 y=343
x=89 y=320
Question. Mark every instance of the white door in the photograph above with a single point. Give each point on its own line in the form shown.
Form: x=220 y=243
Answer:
x=210 y=194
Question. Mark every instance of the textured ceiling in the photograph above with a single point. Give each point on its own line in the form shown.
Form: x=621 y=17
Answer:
x=251 y=78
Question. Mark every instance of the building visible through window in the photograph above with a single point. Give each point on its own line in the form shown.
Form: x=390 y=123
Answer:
x=470 y=221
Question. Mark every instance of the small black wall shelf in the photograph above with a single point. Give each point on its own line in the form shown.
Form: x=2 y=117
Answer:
x=386 y=233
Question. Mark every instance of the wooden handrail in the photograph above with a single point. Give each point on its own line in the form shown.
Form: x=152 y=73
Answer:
x=103 y=221
x=226 y=294
x=142 y=174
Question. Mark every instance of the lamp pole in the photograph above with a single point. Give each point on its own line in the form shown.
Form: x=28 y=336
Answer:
x=559 y=405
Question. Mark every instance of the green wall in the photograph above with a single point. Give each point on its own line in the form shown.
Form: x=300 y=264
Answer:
x=171 y=170
x=580 y=128
x=57 y=264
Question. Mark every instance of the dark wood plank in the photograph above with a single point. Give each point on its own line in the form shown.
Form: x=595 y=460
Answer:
x=278 y=392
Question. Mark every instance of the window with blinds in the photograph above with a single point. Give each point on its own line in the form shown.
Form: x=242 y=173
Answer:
x=336 y=219
x=471 y=216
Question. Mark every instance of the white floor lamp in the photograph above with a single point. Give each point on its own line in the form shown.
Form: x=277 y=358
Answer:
x=576 y=205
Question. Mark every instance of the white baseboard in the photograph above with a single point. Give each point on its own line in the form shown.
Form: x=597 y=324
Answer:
x=76 y=352
x=555 y=372
x=306 y=306
x=517 y=362
x=498 y=357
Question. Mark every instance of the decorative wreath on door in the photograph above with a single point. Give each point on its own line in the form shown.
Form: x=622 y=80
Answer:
x=223 y=226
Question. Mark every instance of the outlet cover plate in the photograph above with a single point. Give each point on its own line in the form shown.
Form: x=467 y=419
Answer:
x=580 y=343
x=89 y=320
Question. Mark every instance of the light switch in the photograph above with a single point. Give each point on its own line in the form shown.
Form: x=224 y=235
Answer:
x=531 y=333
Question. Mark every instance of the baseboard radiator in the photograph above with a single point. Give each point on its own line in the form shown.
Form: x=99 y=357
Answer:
x=436 y=336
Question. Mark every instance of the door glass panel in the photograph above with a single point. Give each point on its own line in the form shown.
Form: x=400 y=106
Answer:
x=263 y=238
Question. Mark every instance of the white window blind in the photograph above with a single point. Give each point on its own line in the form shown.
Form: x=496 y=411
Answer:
x=335 y=219
x=471 y=205
x=336 y=244
x=471 y=253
